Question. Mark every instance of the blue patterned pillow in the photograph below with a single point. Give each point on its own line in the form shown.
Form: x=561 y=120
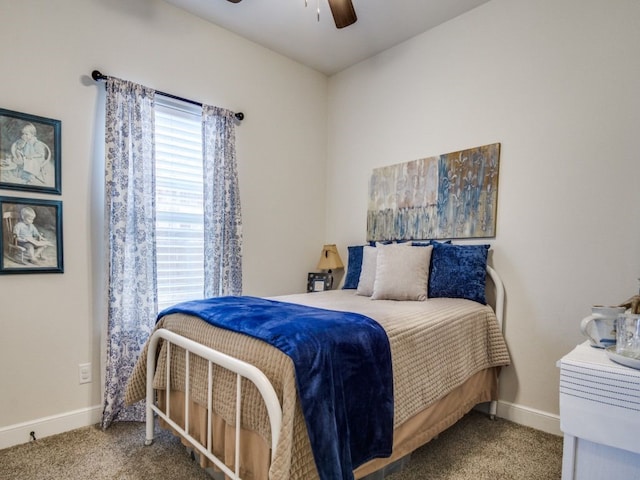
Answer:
x=458 y=271
x=354 y=266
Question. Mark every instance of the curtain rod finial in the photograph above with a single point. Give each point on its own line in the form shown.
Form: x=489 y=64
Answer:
x=96 y=75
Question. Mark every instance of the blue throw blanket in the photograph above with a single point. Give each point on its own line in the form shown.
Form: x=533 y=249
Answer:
x=343 y=371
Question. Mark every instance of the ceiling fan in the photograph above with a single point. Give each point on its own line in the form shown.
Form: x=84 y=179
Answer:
x=342 y=10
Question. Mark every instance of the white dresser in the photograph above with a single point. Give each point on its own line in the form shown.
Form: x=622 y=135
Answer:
x=599 y=416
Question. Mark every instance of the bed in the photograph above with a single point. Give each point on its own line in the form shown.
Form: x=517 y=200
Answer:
x=446 y=355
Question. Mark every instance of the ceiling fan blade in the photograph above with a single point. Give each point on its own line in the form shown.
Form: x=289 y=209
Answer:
x=343 y=12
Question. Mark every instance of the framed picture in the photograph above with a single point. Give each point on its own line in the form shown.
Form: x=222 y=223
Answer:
x=29 y=152
x=31 y=240
x=317 y=282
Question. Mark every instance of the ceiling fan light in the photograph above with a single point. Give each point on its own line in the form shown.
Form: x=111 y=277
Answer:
x=343 y=12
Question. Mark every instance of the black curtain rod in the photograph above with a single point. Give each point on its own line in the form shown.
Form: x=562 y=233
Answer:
x=96 y=75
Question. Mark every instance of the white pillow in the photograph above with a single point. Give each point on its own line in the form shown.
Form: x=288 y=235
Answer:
x=401 y=273
x=367 y=271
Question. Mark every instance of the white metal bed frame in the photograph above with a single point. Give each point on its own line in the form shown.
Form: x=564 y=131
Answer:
x=242 y=370
x=499 y=311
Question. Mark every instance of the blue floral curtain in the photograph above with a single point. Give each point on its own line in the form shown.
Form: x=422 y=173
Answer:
x=222 y=218
x=130 y=217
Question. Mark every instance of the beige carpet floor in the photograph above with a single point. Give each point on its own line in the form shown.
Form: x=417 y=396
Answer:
x=475 y=448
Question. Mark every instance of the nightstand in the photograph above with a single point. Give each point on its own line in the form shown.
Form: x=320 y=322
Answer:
x=599 y=416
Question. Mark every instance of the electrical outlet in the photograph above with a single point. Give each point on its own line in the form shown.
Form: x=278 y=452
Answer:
x=84 y=370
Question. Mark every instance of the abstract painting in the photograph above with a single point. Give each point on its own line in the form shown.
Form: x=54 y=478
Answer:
x=453 y=195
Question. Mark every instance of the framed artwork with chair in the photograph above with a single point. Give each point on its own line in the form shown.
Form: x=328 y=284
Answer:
x=31 y=240
x=29 y=152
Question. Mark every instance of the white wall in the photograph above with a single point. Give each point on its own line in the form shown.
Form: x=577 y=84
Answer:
x=51 y=323
x=556 y=83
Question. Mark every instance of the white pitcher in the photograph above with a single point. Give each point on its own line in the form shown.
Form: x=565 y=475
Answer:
x=600 y=326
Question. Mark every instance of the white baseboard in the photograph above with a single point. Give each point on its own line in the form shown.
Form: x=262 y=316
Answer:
x=47 y=426
x=44 y=427
x=530 y=417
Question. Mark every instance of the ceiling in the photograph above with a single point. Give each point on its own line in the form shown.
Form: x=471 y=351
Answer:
x=290 y=28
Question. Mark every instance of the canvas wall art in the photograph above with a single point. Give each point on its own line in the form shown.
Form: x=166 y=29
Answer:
x=448 y=196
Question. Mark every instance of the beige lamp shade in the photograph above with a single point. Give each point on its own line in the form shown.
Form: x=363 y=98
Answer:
x=330 y=258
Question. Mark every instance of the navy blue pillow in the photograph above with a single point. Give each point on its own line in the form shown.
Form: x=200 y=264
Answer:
x=354 y=266
x=426 y=243
x=458 y=271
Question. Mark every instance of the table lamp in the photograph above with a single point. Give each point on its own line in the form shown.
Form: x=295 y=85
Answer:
x=330 y=260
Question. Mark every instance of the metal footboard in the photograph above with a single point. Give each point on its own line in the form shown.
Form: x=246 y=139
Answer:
x=213 y=357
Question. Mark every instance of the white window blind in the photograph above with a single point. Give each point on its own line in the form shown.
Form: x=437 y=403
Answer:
x=179 y=202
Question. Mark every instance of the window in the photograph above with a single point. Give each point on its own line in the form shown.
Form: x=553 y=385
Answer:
x=179 y=202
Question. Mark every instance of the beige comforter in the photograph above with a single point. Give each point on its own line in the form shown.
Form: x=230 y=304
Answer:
x=435 y=346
